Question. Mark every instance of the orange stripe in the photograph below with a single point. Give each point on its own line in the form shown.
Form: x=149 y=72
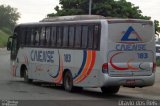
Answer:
x=59 y=78
x=91 y=66
x=84 y=72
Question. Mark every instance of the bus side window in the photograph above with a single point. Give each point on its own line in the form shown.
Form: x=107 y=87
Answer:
x=78 y=36
x=28 y=36
x=42 y=37
x=71 y=36
x=65 y=36
x=96 y=36
x=32 y=37
x=59 y=36
x=37 y=36
x=90 y=37
x=48 y=33
x=84 y=36
x=53 y=37
x=23 y=36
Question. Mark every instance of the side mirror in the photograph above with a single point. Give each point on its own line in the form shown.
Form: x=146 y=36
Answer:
x=14 y=35
x=9 y=45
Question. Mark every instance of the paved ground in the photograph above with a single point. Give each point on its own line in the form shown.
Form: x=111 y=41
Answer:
x=15 y=89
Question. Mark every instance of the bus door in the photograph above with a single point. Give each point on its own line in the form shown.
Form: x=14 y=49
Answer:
x=12 y=45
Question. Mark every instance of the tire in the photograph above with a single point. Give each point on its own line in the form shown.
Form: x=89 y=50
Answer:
x=68 y=82
x=26 y=79
x=110 y=90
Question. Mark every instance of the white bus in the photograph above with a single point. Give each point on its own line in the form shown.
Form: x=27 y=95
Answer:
x=85 y=51
x=157 y=51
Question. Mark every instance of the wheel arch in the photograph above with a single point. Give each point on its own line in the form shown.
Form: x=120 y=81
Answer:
x=22 y=70
x=65 y=71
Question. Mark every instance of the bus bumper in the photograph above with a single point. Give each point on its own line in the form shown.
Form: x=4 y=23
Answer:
x=133 y=81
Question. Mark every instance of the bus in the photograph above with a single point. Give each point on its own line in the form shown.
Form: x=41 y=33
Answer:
x=85 y=51
x=157 y=52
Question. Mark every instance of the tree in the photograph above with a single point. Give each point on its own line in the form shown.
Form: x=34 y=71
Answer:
x=107 y=8
x=8 y=17
x=157 y=27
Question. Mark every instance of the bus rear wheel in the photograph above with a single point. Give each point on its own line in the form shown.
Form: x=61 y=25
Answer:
x=26 y=79
x=68 y=82
x=110 y=90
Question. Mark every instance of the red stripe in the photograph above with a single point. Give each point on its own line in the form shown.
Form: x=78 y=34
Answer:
x=26 y=59
x=59 y=78
x=114 y=66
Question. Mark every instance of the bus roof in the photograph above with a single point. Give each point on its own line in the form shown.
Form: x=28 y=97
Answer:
x=72 y=18
x=129 y=21
x=91 y=17
x=85 y=18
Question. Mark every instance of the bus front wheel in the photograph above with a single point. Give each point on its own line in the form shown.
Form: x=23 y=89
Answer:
x=110 y=90
x=26 y=79
x=68 y=82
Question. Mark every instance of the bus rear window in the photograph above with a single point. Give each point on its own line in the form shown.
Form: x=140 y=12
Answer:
x=130 y=32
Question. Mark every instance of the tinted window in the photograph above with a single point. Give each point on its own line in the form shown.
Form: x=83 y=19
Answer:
x=48 y=33
x=78 y=36
x=42 y=37
x=65 y=36
x=23 y=36
x=53 y=37
x=84 y=36
x=37 y=36
x=96 y=36
x=28 y=36
x=90 y=36
x=71 y=35
x=59 y=36
x=33 y=36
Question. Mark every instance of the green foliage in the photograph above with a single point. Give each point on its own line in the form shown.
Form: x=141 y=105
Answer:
x=157 y=27
x=107 y=8
x=8 y=17
x=158 y=62
x=3 y=38
x=6 y=30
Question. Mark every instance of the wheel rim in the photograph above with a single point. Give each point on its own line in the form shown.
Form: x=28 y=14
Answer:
x=68 y=83
x=26 y=75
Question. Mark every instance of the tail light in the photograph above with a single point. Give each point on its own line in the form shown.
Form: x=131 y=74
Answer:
x=154 y=67
x=105 y=68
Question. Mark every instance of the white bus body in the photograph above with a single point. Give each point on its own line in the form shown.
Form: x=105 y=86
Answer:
x=157 y=50
x=125 y=57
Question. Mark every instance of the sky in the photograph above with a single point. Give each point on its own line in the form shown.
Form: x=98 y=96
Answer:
x=36 y=10
x=32 y=10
